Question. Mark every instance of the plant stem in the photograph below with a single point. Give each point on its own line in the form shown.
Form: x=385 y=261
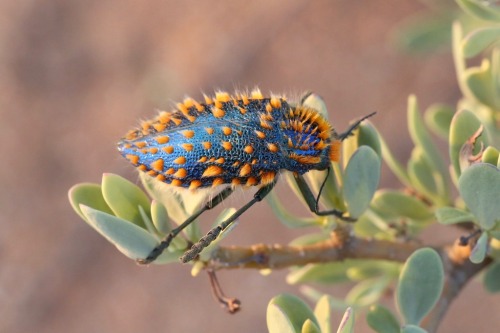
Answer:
x=339 y=247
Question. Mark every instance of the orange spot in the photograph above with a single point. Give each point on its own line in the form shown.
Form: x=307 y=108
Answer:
x=218 y=104
x=245 y=100
x=283 y=124
x=176 y=182
x=207 y=144
x=265 y=124
x=242 y=110
x=203 y=159
x=161 y=177
x=188 y=102
x=209 y=130
x=275 y=102
x=152 y=173
x=240 y=133
x=157 y=165
x=226 y=130
x=159 y=127
x=272 y=147
x=212 y=171
x=181 y=173
x=176 y=121
x=218 y=112
x=254 y=161
x=212 y=159
x=290 y=143
x=260 y=134
x=187 y=146
x=194 y=184
x=198 y=106
x=256 y=94
x=208 y=100
x=320 y=145
x=235 y=181
x=245 y=170
x=269 y=108
x=227 y=145
x=217 y=182
x=153 y=150
x=127 y=145
x=183 y=108
x=267 y=177
x=142 y=167
x=251 y=181
x=235 y=164
x=180 y=160
x=170 y=171
x=131 y=135
x=248 y=149
x=188 y=134
x=145 y=126
x=305 y=159
x=140 y=144
x=164 y=117
x=220 y=160
x=162 y=139
x=335 y=151
x=168 y=149
x=222 y=96
x=134 y=159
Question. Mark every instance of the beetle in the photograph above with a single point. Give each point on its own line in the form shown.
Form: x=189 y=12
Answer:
x=228 y=141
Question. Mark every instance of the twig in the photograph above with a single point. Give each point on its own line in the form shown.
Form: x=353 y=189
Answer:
x=339 y=247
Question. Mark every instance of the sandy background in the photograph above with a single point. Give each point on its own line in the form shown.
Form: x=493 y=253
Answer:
x=76 y=75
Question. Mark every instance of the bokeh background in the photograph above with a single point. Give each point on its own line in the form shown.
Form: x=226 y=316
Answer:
x=76 y=75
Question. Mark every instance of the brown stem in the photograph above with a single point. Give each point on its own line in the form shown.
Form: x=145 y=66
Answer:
x=458 y=271
x=339 y=247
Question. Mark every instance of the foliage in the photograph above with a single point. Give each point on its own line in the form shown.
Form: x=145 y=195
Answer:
x=387 y=218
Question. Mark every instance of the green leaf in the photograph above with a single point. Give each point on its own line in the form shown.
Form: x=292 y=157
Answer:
x=124 y=198
x=479 y=187
x=160 y=219
x=310 y=327
x=424 y=31
x=438 y=118
x=480 y=10
x=420 y=285
x=479 y=39
x=368 y=136
x=287 y=313
x=397 y=204
x=490 y=155
x=89 y=195
x=412 y=329
x=491 y=278
x=164 y=194
x=450 y=215
x=367 y=292
x=287 y=218
x=481 y=82
x=131 y=240
x=361 y=179
x=424 y=177
x=382 y=320
x=347 y=323
x=422 y=138
x=463 y=126
x=319 y=273
x=323 y=313
x=478 y=252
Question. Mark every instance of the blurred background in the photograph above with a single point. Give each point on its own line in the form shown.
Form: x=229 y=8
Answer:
x=76 y=75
